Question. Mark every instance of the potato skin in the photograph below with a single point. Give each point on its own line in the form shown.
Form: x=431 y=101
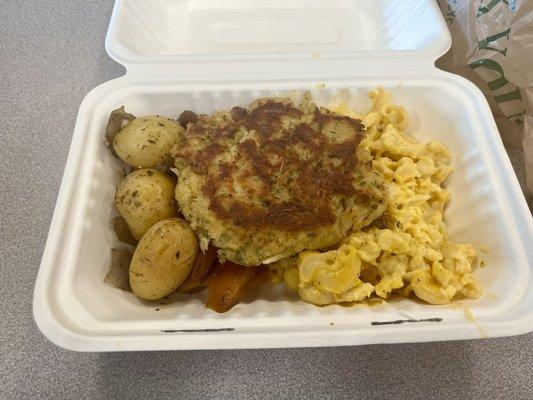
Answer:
x=163 y=259
x=146 y=142
x=145 y=197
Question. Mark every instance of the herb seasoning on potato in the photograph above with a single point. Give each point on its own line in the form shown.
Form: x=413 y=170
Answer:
x=145 y=197
x=146 y=142
x=163 y=259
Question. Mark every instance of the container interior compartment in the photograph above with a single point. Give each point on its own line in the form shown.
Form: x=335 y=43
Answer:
x=438 y=112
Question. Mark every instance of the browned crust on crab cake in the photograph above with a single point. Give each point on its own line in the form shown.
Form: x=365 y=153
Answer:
x=275 y=179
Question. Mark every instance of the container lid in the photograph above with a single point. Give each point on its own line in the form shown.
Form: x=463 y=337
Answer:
x=147 y=35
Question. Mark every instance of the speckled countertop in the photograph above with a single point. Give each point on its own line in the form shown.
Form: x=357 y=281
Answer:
x=52 y=55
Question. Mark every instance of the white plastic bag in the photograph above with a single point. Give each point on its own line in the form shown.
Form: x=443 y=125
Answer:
x=492 y=45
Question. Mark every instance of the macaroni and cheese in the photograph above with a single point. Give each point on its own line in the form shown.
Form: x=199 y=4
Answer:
x=406 y=251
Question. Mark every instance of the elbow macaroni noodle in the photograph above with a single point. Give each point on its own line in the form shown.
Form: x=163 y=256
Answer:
x=406 y=251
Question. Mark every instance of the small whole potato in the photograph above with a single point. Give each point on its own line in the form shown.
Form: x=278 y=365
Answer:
x=163 y=259
x=146 y=142
x=145 y=197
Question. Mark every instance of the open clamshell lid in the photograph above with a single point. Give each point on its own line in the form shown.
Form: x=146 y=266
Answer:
x=150 y=36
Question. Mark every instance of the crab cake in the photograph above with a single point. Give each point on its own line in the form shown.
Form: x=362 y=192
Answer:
x=268 y=181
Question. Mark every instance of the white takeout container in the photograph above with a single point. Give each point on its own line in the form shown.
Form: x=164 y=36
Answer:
x=209 y=55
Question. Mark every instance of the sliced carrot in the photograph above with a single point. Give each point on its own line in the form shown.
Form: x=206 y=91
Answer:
x=230 y=283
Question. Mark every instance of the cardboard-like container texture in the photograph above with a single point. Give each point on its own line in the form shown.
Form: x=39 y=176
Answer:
x=210 y=55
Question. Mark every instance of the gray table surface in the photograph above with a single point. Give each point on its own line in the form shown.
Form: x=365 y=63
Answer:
x=52 y=54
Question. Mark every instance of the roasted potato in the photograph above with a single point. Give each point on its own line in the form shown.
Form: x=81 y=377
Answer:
x=144 y=197
x=163 y=259
x=145 y=142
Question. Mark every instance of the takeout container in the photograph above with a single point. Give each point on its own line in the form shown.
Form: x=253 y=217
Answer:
x=209 y=55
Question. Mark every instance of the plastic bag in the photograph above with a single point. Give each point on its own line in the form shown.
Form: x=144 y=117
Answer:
x=492 y=45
